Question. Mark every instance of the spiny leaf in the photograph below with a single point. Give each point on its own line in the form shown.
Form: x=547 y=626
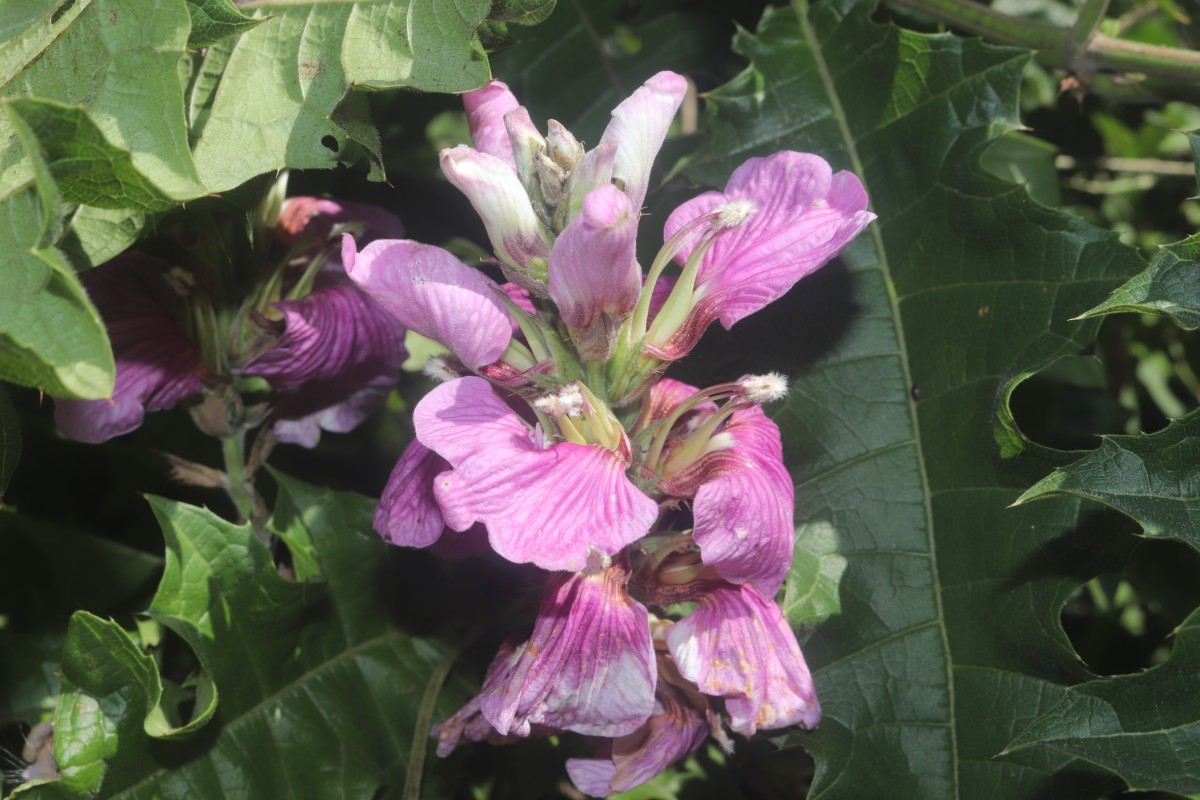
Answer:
x=1169 y=286
x=1155 y=479
x=949 y=639
x=1145 y=728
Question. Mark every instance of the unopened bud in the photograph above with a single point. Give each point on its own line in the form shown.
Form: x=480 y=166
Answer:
x=562 y=146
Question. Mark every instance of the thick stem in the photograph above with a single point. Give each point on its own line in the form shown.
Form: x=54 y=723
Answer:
x=240 y=491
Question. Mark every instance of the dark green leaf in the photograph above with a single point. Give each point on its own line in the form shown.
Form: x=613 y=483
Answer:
x=949 y=639
x=213 y=20
x=320 y=693
x=1145 y=728
x=1169 y=286
x=1154 y=479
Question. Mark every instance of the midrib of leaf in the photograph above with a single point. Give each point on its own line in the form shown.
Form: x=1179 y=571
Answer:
x=262 y=705
x=801 y=9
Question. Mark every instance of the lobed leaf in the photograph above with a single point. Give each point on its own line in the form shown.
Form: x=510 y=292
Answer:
x=1170 y=286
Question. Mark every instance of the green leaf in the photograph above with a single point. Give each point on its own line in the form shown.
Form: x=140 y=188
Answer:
x=522 y=12
x=1170 y=286
x=318 y=689
x=262 y=116
x=213 y=20
x=949 y=639
x=810 y=593
x=1145 y=728
x=1152 y=478
x=10 y=441
x=51 y=335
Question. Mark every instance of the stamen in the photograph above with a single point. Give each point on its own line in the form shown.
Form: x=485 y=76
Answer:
x=760 y=389
x=439 y=369
x=733 y=213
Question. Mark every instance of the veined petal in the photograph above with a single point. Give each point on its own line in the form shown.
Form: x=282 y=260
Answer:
x=593 y=266
x=486 y=108
x=744 y=503
x=407 y=513
x=433 y=293
x=157 y=366
x=588 y=666
x=674 y=730
x=296 y=425
x=801 y=216
x=639 y=126
x=666 y=395
x=497 y=195
x=549 y=506
x=737 y=645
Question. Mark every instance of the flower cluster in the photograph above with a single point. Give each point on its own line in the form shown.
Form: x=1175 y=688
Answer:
x=301 y=334
x=553 y=432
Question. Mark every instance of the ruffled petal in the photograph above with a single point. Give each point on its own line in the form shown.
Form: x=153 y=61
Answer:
x=407 y=513
x=157 y=366
x=588 y=666
x=486 y=108
x=737 y=645
x=639 y=126
x=744 y=503
x=431 y=292
x=497 y=195
x=674 y=730
x=549 y=506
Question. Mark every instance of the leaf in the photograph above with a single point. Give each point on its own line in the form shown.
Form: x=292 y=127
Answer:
x=1152 y=478
x=1170 y=286
x=213 y=20
x=51 y=335
x=1145 y=728
x=810 y=593
x=319 y=691
x=949 y=639
x=282 y=81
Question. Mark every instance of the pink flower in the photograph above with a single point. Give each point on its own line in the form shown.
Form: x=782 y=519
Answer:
x=779 y=219
x=737 y=645
x=639 y=127
x=486 y=109
x=588 y=667
x=157 y=365
x=545 y=503
x=408 y=514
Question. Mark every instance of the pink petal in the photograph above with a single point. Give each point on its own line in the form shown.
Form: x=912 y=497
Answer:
x=674 y=730
x=299 y=425
x=486 y=108
x=593 y=266
x=744 y=503
x=588 y=667
x=407 y=513
x=547 y=506
x=737 y=645
x=157 y=366
x=803 y=217
x=639 y=126
x=500 y=200
x=433 y=293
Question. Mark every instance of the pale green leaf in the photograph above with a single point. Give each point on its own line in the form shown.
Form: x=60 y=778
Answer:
x=213 y=20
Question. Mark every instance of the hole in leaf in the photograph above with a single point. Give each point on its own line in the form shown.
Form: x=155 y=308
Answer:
x=1068 y=405
x=329 y=141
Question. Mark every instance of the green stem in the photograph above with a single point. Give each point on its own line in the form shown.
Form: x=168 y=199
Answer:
x=1063 y=47
x=239 y=489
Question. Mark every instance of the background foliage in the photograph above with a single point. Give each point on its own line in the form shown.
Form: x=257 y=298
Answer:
x=1011 y=304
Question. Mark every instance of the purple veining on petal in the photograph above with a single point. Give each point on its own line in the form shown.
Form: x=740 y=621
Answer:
x=549 y=506
x=407 y=513
x=639 y=126
x=588 y=667
x=431 y=292
x=157 y=366
x=744 y=502
x=485 y=109
x=737 y=645
x=593 y=266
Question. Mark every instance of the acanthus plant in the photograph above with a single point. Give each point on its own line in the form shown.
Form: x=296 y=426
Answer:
x=555 y=433
x=276 y=337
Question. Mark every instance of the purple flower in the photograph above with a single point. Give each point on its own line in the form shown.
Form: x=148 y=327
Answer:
x=588 y=667
x=433 y=293
x=550 y=504
x=674 y=730
x=737 y=645
x=157 y=366
x=408 y=513
x=744 y=501
x=779 y=219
